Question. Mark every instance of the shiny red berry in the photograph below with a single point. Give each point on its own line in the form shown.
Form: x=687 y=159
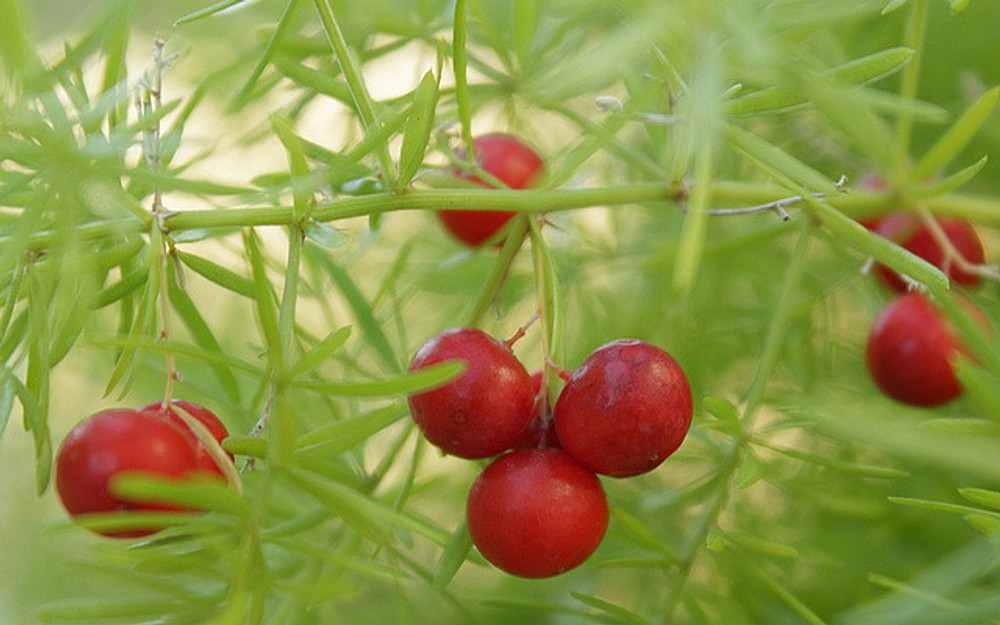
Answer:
x=483 y=411
x=625 y=409
x=911 y=351
x=205 y=416
x=113 y=443
x=536 y=513
x=909 y=232
x=510 y=161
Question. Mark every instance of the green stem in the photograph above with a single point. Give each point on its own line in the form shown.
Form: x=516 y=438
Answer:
x=532 y=201
x=691 y=244
x=283 y=418
x=286 y=315
x=915 y=29
x=732 y=459
x=460 y=61
x=511 y=247
x=355 y=82
x=981 y=209
x=548 y=292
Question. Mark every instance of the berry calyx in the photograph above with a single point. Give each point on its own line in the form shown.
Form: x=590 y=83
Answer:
x=205 y=416
x=536 y=513
x=911 y=351
x=482 y=412
x=625 y=409
x=510 y=161
x=118 y=442
x=909 y=232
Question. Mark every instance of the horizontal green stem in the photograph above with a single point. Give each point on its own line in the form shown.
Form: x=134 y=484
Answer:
x=439 y=199
x=725 y=193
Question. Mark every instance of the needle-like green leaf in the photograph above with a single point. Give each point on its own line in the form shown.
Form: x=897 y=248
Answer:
x=418 y=128
x=957 y=137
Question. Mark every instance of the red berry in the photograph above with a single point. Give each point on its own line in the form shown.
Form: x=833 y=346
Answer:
x=909 y=232
x=536 y=513
x=870 y=223
x=115 y=442
x=511 y=162
x=202 y=414
x=483 y=411
x=910 y=352
x=625 y=409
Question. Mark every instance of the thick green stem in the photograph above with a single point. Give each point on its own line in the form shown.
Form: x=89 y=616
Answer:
x=981 y=209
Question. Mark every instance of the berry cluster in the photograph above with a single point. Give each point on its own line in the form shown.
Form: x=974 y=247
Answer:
x=911 y=346
x=540 y=510
x=154 y=440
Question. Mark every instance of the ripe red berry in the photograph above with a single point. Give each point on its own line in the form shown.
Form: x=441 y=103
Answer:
x=536 y=513
x=910 y=352
x=625 y=409
x=483 y=411
x=909 y=232
x=203 y=415
x=116 y=442
x=510 y=161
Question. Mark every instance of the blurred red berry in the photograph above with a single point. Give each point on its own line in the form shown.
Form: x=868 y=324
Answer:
x=118 y=442
x=909 y=232
x=510 y=161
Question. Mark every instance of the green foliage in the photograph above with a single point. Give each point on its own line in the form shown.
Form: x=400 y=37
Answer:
x=240 y=214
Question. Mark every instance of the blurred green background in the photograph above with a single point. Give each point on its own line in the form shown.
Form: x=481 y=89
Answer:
x=791 y=524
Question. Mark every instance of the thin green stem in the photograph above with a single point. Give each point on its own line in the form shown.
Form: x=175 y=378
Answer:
x=286 y=315
x=511 y=247
x=460 y=62
x=548 y=292
x=691 y=244
x=355 y=82
x=272 y=44
x=778 y=329
x=915 y=29
x=159 y=240
x=282 y=419
x=733 y=456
